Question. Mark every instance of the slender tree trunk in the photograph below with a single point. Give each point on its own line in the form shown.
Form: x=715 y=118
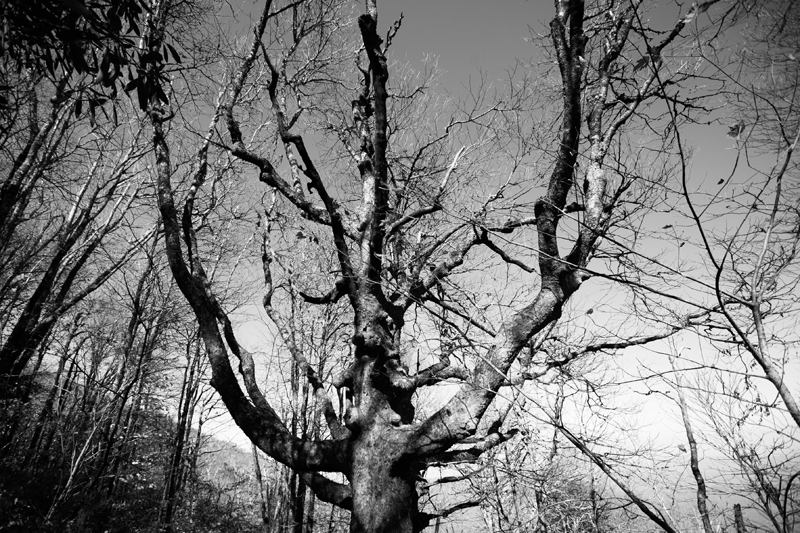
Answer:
x=263 y=503
x=309 y=512
x=152 y=329
x=174 y=473
x=126 y=452
x=42 y=349
x=694 y=460
x=182 y=433
x=21 y=341
x=23 y=390
x=47 y=408
x=60 y=401
x=596 y=515
x=738 y=518
x=298 y=505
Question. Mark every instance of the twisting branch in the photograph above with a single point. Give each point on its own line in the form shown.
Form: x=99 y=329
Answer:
x=390 y=35
x=459 y=418
x=260 y=423
x=340 y=228
x=334 y=295
x=267 y=172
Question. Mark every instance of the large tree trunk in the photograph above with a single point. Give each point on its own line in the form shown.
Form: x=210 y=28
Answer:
x=383 y=485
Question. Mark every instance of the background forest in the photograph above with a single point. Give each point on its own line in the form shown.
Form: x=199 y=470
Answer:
x=259 y=271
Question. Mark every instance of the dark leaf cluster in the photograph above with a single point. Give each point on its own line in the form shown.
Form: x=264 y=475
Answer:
x=73 y=39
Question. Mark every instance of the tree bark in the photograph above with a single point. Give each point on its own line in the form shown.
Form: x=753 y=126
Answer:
x=383 y=484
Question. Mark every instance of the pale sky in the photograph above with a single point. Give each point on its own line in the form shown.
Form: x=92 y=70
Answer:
x=467 y=35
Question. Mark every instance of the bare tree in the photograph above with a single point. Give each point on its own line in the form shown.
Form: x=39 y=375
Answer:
x=69 y=189
x=404 y=230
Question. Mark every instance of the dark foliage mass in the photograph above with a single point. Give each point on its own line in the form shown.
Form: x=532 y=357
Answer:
x=104 y=39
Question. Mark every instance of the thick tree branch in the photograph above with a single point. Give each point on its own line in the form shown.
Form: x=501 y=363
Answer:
x=334 y=295
x=471 y=453
x=460 y=416
x=454 y=259
x=329 y=491
x=261 y=424
x=424 y=519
